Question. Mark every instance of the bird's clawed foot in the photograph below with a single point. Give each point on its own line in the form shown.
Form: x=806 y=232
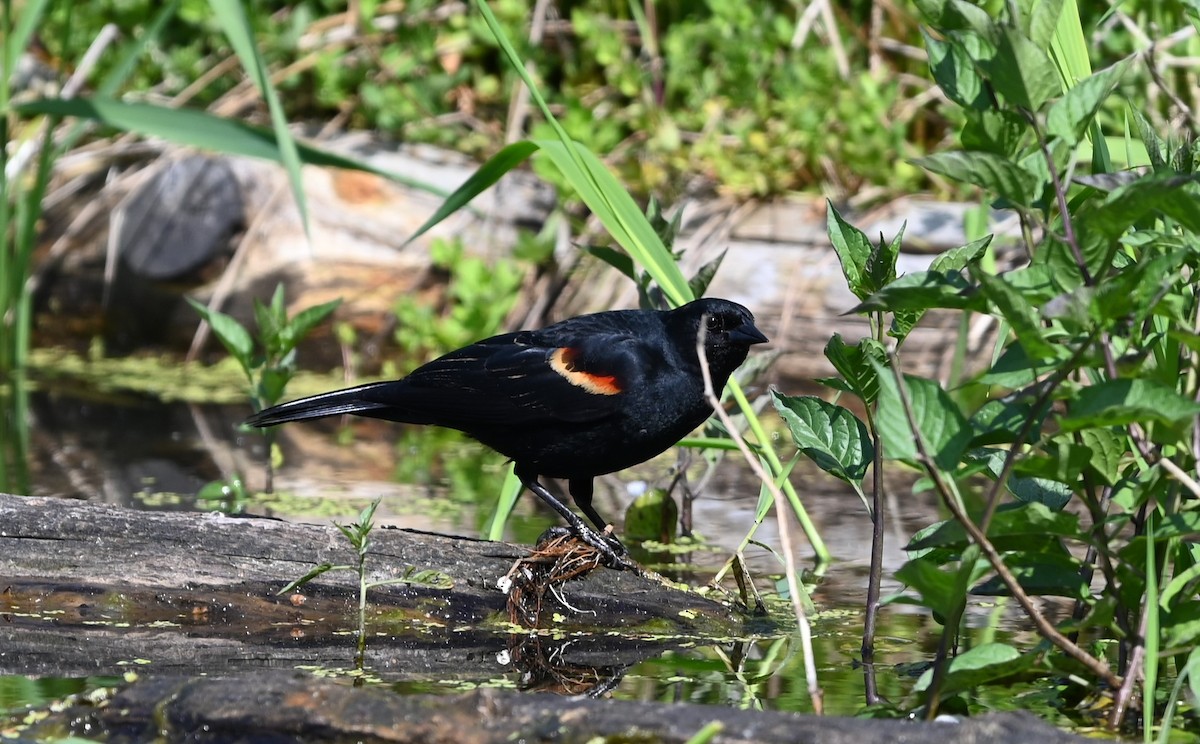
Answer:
x=612 y=552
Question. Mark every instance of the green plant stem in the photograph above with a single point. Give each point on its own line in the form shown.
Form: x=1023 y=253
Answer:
x=953 y=502
x=810 y=530
x=875 y=573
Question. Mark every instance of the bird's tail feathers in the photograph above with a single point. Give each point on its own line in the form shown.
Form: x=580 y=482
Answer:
x=352 y=400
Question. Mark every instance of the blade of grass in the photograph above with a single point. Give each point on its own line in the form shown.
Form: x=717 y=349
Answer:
x=201 y=130
x=508 y=499
x=232 y=16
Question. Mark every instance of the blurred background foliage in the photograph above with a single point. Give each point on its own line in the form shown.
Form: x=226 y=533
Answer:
x=747 y=99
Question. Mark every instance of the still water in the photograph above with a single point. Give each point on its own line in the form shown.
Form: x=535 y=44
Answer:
x=139 y=452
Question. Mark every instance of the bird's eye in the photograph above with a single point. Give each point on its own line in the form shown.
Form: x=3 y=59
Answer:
x=715 y=323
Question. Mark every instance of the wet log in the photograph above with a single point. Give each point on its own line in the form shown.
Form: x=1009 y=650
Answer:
x=293 y=708
x=89 y=589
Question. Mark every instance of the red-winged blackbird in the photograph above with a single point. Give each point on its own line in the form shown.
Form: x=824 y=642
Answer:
x=586 y=396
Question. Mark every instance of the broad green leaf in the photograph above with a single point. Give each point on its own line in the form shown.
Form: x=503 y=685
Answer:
x=652 y=516
x=943 y=429
x=999 y=421
x=1040 y=574
x=903 y=321
x=1174 y=196
x=923 y=290
x=1060 y=459
x=988 y=171
x=481 y=180
x=1124 y=401
x=977 y=667
x=828 y=434
x=1184 y=524
x=1010 y=520
x=957 y=259
x=1011 y=305
x=1015 y=368
x=1000 y=132
x=1106 y=450
x=1071 y=116
x=935 y=585
x=229 y=332
x=956 y=15
x=851 y=362
x=1052 y=494
x=1181 y=625
x=1021 y=71
x=853 y=249
x=1041 y=21
x=952 y=68
x=198 y=129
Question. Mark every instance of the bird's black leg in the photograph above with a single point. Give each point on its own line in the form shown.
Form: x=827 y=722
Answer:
x=612 y=558
x=581 y=492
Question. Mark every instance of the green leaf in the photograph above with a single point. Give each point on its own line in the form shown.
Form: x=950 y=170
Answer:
x=956 y=15
x=1000 y=132
x=1010 y=520
x=903 y=321
x=1040 y=574
x=957 y=259
x=852 y=363
x=312 y=574
x=704 y=276
x=309 y=318
x=853 y=249
x=1106 y=452
x=1021 y=71
x=943 y=428
x=988 y=171
x=231 y=14
x=1014 y=308
x=828 y=434
x=236 y=339
x=977 y=667
x=951 y=66
x=1123 y=401
x=936 y=586
x=1041 y=21
x=614 y=258
x=1070 y=116
x=1015 y=369
x=923 y=290
x=200 y=130
x=652 y=516
x=881 y=264
x=1052 y=494
x=999 y=421
x=481 y=180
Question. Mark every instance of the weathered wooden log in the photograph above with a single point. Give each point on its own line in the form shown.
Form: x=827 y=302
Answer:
x=89 y=589
x=282 y=708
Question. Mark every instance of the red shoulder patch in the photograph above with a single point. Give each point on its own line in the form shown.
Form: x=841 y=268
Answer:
x=562 y=361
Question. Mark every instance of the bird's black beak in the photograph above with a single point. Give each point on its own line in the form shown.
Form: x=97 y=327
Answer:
x=746 y=333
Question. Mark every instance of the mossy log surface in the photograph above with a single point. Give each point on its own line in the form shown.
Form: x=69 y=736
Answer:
x=90 y=589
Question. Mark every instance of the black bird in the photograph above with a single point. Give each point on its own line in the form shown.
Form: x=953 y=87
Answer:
x=587 y=396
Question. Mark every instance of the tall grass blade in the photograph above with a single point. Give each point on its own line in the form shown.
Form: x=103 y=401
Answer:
x=204 y=131
x=232 y=16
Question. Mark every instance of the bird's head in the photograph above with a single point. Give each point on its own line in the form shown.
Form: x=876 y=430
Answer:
x=729 y=332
